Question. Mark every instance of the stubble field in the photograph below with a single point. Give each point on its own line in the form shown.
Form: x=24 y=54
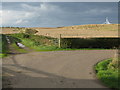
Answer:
x=79 y=31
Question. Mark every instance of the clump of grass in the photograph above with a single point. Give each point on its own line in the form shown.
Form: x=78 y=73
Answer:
x=107 y=75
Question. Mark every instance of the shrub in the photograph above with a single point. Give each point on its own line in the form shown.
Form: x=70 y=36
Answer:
x=30 y=31
x=106 y=43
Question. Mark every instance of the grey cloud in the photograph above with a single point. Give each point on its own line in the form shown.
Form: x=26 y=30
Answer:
x=53 y=14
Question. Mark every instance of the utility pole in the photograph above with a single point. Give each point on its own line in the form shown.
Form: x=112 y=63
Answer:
x=59 y=42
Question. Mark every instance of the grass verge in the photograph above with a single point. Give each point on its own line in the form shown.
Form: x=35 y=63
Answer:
x=31 y=44
x=20 y=50
x=109 y=77
x=3 y=46
x=3 y=55
x=43 y=43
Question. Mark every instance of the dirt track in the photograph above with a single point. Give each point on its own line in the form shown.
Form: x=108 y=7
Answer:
x=55 y=69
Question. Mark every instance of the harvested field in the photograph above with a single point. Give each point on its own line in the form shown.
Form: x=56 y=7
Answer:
x=82 y=31
x=78 y=31
x=8 y=30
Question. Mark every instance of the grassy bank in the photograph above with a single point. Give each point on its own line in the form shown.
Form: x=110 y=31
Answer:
x=16 y=48
x=43 y=43
x=107 y=72
x=3 y=46
x=39 y=43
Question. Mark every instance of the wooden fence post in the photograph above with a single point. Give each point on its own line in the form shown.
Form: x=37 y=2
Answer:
x=59 y=42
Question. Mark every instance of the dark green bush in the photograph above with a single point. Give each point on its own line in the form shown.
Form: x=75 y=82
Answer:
x=106 y=43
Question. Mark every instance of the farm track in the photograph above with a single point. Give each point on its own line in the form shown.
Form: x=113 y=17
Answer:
x=55 y=69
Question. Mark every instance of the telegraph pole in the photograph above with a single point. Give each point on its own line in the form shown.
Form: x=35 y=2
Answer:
x=59 y=42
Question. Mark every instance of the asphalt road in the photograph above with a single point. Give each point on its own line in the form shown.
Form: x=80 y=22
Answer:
x=55 y=69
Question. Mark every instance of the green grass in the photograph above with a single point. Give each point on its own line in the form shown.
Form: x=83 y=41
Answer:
x=107 y=75
x=3 y=55
x=3 y=46
x=4 y=49
x=20 y=50
x=43 y=43
x=31 y=44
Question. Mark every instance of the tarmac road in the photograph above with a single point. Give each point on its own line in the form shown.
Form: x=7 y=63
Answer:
x=55 y=69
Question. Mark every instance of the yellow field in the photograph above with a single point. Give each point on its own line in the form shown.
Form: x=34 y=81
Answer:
x=83 y=31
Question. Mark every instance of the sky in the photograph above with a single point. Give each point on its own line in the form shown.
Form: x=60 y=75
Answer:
x=56 y=14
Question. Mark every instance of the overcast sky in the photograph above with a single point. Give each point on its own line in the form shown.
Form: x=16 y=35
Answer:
x=56 y=14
